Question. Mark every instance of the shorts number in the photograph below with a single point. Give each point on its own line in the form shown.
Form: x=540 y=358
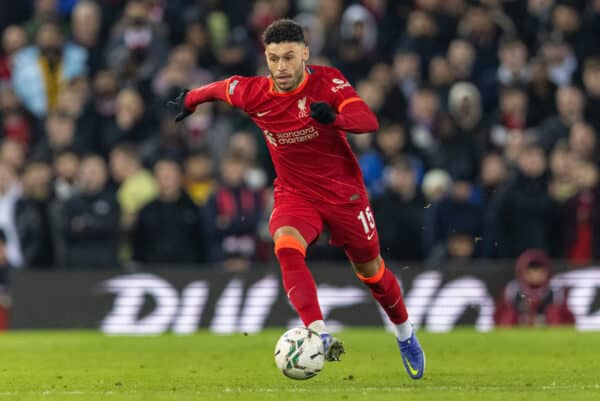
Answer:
x=367 y=220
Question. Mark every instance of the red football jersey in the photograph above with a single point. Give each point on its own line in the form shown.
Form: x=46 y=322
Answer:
x=311 y=159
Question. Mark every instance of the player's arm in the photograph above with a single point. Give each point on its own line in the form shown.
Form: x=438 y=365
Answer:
x=187 y=100
x=353 y=115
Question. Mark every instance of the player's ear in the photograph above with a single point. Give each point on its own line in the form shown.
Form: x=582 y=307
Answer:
x=305 y=53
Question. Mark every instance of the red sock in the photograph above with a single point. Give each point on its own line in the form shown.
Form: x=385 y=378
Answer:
x=386 y=291
x=299 y=284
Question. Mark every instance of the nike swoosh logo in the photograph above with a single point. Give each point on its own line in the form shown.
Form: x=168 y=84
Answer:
x=370 y=236
x=264 y=113
x=412 y=370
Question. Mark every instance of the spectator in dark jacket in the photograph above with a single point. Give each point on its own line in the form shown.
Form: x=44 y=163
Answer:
x=91 y=219
x=232 y=213
x=168 y=229
x=524 y=211
x=399 y=213
x=582 y=216
x=455 y=214
x=33 y=217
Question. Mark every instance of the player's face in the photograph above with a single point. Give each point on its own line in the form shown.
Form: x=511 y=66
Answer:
x=286 y=62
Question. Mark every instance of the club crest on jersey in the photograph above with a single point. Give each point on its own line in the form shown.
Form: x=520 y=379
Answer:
x=302 y=107
x=339 y=84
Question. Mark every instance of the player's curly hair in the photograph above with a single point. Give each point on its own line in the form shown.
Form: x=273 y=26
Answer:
x=283 y=30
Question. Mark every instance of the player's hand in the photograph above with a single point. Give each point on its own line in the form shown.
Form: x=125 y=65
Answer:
x=178 y=105
x=322 y=112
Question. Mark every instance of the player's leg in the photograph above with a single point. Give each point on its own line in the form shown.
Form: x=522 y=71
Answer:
x=292 y=233
x=386 y=290
x=354 y=228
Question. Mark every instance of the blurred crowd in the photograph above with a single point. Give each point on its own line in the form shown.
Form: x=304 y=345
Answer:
x=489 y=113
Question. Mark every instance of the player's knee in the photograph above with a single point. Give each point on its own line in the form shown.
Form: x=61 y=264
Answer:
x=288 y=246
x=371 y=270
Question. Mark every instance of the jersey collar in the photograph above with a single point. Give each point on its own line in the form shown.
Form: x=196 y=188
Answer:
x=307 y=72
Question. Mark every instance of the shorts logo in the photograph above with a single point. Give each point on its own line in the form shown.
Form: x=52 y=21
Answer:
x=339 y=85
x=232 y=86
x=302 y=106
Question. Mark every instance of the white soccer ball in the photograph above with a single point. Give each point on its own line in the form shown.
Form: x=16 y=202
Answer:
x=299 y=353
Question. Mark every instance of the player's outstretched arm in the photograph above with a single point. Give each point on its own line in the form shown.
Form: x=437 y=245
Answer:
x=186 y=101
x=355 y=116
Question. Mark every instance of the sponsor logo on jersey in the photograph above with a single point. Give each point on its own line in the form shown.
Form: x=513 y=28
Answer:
x=291 y=138
x=232 y=86
x=302 y=107
x=339 y=85
x=270 y=137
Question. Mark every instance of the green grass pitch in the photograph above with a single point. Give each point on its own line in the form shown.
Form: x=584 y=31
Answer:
x=529 y=365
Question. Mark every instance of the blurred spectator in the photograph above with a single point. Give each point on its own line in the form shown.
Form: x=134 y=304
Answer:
x=180 y=72
x=15 y=123
x=461 y=57
x=529 y=300
x=136 y=48
x=197 y=36
x=424 y=113
x=493 y=174
x=542 y=93
x=512 y=114
x=583 y=142
x=561 y=186
x=13 y=153
x=14 y=39
x=199 y=176
x=591 y=82
x=65 y=166
x=168 y=229
x=60 y=134
x=524 y=211
x=560 y=59
x=358 y=38
x=43 y=11
x=421 y=36
x=582 y=216
x=566 y=21
x=33 y=217
x=10 y=192
x=91 y=219
x=40 y=71
x=405 y=80
x=512 y=71
x=399 y=213
x=136 y=185
x=86 y=22
x=436 y=184
x=5 y=267
x=570 y=104
x=171 y=141
x=99 y=110
x=131 y=122
x=448 y=220
x=232 y=214
x=390 y=142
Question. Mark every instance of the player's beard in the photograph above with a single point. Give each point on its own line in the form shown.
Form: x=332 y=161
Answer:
x=297 y=79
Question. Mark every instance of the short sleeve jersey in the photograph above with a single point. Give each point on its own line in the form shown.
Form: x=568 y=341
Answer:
x=311 y=159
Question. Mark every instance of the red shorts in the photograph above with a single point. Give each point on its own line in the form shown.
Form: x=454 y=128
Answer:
x=351 y=226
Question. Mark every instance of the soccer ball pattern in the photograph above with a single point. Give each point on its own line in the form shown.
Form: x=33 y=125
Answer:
x=299 y=353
